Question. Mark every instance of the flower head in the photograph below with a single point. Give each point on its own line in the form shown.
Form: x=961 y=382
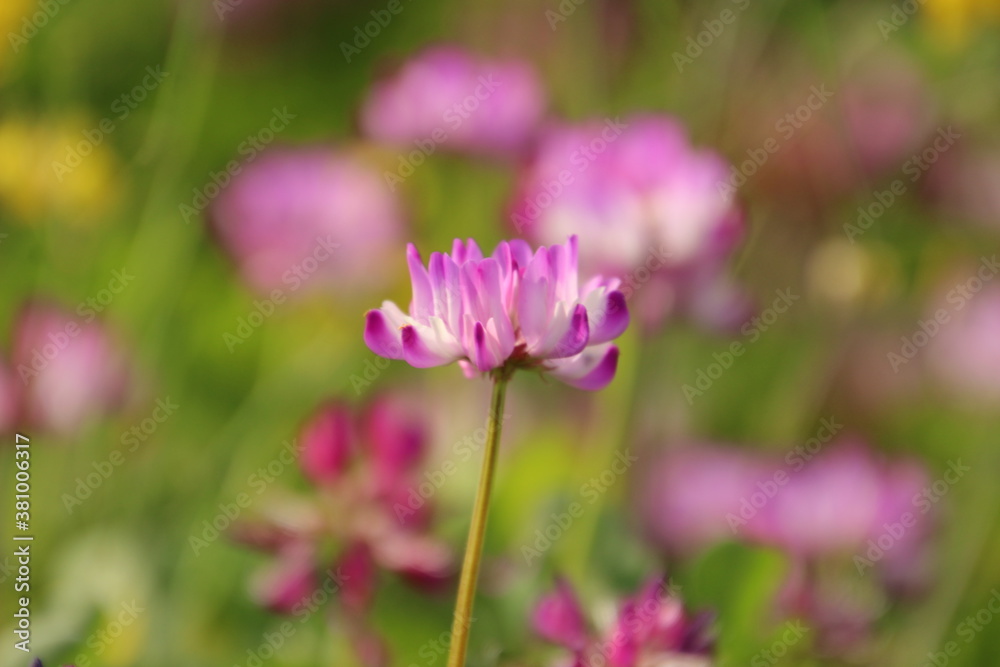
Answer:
x=70 y=371
x=356 y=525
x=513 y=309
x=306 y=219
x=450 y=97
x=652 y=626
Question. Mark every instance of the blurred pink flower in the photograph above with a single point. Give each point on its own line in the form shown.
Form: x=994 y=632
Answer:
x=307 y=219
x=450 y=98
x=361 y=465
x=840 y=504
x=514 y=309
x=651 y=628
x=829 y=503
x=647 y=206
x=71 y=371
x=841 y=499
x=887 y=112
x=965 y=353
x=690 y=492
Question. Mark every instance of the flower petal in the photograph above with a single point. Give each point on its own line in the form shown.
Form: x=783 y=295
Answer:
x=381 y=337
x=567 y=337
x=423 y=346
x=610 y=319
x=423 y=296
x=590 y=370
x=327 y=443
x=559 y=618
x=485 y=353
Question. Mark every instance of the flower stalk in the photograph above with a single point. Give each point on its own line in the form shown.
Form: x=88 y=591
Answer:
x=463 y=618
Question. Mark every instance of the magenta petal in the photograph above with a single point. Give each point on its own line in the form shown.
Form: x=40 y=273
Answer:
x=418 y=353
x=588 y=372
x=397 y=442
x=484 y=358
x=326 y=442
x=612 y=321
x=559 y=618
x=354 y=574
x=577 y=336
x=380 y=337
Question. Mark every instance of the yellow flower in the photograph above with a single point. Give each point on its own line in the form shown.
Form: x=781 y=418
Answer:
x=954 y=21
x=51 y=169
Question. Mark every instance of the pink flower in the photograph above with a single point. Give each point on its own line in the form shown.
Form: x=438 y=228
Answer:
x=841 y=499
x=448 y=97
x=335 y=544
x=646 y=206
x=652 y=626
x=965 y=353
x=70 y=371
x=307 y=219
x=693 y=496
x=514 y=309
x=836 y=506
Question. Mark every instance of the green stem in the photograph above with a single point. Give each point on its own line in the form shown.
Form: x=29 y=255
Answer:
x=477 y=531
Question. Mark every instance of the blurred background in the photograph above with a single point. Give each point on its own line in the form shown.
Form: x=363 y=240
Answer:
x=199 y=201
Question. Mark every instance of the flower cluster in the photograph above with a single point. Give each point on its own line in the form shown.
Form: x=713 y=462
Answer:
x=840 y=505
x=650 y=628
x=335 y=543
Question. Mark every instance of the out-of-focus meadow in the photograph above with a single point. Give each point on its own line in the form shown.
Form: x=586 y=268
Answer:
x=200 y=200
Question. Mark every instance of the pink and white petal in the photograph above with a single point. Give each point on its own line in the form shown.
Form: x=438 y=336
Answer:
x=469 y=369
x=446 y=285
x=413 y=554
x=567 y=336
x=287 y=582
x=424 y=346
x=608 y=318
x=533 y=310
x=503 y=338
x=591 y=370
x=381 y=336
x=562 y=269
x=423 y=296
x=492 y=291
x=484 y=353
